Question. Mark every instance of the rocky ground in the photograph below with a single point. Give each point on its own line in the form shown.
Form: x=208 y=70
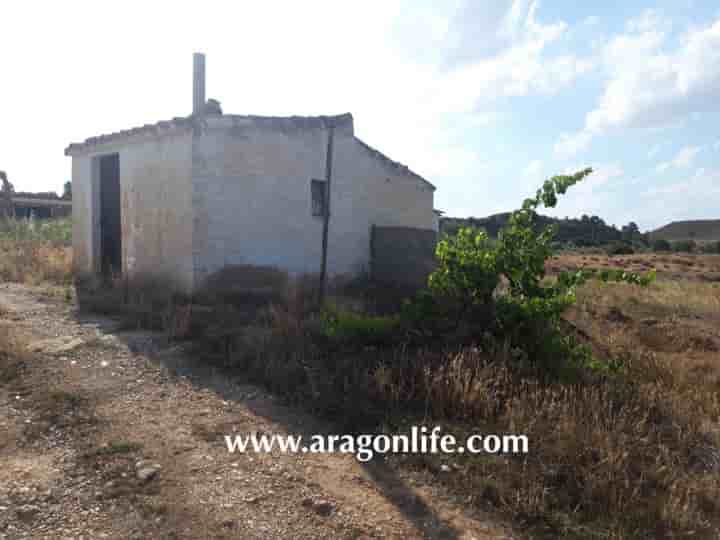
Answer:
x=110 y=434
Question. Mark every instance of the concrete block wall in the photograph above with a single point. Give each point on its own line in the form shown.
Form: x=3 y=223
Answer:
x=403 y=255
x=156 y=205
x=252 y=199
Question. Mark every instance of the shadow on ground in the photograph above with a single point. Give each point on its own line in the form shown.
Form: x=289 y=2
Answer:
x=232 y=387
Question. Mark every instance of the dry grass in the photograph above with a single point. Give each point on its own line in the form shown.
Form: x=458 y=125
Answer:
x=685 y=267
x=632 y=456
x=33 y=264
x=35 y=252
x=664 y=298
x=12 y=355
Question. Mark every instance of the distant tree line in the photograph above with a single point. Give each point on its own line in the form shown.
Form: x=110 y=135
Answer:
x=586 y=231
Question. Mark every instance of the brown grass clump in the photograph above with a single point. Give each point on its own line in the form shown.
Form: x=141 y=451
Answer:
x=31 y=263
x=12 y=355
x=35 y=252
x=631 y=455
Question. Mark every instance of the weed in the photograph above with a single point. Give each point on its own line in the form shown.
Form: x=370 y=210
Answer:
x=115 y=448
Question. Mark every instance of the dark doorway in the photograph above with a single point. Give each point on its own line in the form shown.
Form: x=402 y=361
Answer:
x=110 y=228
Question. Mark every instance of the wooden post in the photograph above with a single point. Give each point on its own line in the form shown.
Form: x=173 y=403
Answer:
x=326 y=217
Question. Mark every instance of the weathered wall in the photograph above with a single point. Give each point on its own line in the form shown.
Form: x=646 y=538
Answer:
x=201 y=194
x=251 y=196
x=368 y=189
x=403 y=255
x=251 y=185
x=156 y=209
x=82 y=212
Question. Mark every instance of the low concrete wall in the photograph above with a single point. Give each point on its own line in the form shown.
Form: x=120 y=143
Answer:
x=402 y=255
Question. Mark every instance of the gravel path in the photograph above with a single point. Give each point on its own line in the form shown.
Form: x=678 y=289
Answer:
x=108 y=434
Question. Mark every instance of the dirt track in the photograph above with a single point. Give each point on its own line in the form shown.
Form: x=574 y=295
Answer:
x=92 y=410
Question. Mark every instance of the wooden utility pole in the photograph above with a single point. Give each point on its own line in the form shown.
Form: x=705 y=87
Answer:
x=326 y=216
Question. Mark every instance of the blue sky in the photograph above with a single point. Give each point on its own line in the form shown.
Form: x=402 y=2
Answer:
x=485 y=99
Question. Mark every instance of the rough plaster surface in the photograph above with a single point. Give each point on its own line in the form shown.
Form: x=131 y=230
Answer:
x=156 y=211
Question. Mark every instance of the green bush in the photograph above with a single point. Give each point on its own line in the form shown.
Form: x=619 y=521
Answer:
x=464 y=289
x=661 y=245
x=355 y=329
x=467 y=270
x=619 y=248
x=53 y=231
x=684 y=246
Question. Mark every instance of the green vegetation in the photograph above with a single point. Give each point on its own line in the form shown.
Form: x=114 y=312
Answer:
x=349 y=328
x=619 y=248
x=710 y=247
x=56 y=232
x=615 y=428
x=528 y=312
x=35 y=252
x=585 y=231
x=114 y=448
x=661 y=245
x=684 y=246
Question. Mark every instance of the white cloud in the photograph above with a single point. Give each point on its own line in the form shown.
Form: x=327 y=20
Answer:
x=650 y=20
x=415 y=74
x=571 y=144
x=684 y=158
x=602 y=174
x=701 y=189
x=511 y=59
x=648 y=86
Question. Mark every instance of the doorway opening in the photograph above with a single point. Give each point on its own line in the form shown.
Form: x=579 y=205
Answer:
x=110 y=227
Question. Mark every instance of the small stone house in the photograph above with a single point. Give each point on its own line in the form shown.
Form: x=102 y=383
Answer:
x=183 y=198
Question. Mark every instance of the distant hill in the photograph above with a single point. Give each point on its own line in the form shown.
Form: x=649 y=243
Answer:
x=700 y=230
x=586 y=231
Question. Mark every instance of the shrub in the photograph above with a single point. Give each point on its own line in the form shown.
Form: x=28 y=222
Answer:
x=355 y=329
x=661 y=245
x=35 y=252
x=55 y=232
x=684 y=246
x=467 y=272
x=619 y=248
x=711 y=247
x=527 y=311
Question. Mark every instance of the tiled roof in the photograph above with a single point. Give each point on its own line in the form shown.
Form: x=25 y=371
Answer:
x=297 y=122
x=185 y=122
x=156 y=129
